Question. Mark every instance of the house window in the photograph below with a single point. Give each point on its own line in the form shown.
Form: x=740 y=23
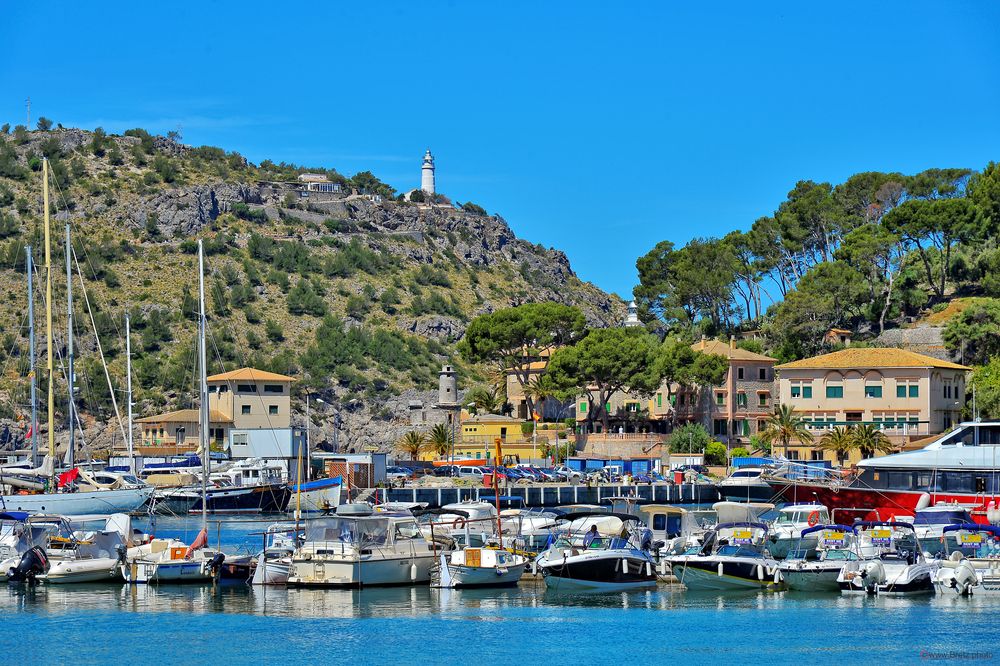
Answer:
x=761 y=425
x=807 y=391
x=240 y=439
x=274 y=388
x=179 y=436
x=680 y=400
x=873 y=390
x=816 y=455
x=739 y=373
x=762 y=374
x=793 y=454
x=632 y=407
x=272 y=410
x=906 y=389
x=246 y=388
x=745 y=427
x=914 y=391
x=741 y=399
x=800 y=390
x=762 y=399
x=835 y=391
x=583 y=408
x=719 y=427
x=659 y=400
x=245 y=409
x=720 y=399
x=796 y=391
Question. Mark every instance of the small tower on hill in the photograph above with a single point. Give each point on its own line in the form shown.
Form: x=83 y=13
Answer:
x=427 y=173
x=632 y=320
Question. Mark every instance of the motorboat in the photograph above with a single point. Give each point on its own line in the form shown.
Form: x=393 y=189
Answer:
x=265 y=498
x=602 y=552
x=478 y=567
x=253 y=485
x=833 y=546
x=17 y=537
x=746 y=484
x=94 y=559
x=930 y=522
x=529 y=530
x=973 y=565
x=469 y=523
x=274 y=560
x=786 y=529
x=170 y=561
x=122 y=500
x=678 y=528
x=733 y=556
x=359 y=547
x=317 y=496
x=896 y=564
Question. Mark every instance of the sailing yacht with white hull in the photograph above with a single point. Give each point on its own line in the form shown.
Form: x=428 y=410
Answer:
x=67 y=504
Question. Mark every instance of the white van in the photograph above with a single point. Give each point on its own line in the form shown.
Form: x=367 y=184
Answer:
x=470 y=472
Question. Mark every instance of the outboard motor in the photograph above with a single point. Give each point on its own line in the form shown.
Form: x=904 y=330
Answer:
x=33 y=563
x=122 y=551
x=216 y=564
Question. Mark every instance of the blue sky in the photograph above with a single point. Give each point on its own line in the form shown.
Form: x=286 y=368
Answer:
x=596 y=128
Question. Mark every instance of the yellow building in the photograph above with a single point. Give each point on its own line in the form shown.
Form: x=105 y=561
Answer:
x=479 y=434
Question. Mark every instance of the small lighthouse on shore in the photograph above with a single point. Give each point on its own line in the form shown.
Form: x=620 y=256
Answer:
x=427 y=173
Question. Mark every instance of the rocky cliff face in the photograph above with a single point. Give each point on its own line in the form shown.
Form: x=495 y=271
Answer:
x=134 y=204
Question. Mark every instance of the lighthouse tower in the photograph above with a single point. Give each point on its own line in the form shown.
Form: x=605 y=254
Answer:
x=427 y=173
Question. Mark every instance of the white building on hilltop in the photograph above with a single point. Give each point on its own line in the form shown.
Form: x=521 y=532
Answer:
x=427 y=173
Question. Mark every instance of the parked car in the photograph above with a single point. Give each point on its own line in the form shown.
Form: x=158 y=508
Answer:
x=446 y=470
x=553 y=475
x=570 y=474
x=701 y=469
x=470 y=472
x=396 y=473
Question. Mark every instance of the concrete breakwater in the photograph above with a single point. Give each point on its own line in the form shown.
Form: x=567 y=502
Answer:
x=557 y=495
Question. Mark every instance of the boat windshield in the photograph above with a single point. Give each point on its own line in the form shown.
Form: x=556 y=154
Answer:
x=744 y=474
x=789 y=517
x=364 y=531
x=841 y=555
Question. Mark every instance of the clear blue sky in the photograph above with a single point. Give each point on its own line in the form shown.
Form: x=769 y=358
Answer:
x=598 y=128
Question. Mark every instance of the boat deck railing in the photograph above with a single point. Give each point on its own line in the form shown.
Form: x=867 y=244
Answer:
x=790 y=470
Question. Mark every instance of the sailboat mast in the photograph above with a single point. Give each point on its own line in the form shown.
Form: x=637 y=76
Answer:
x=71 y=376
x=48 y=321
x=31 y=352
x=203 y=389
x=128 y=389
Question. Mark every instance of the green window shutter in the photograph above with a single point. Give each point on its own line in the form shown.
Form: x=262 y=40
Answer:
x=796 y=391
x=659 y=400
x=834 y=391
x=900 y=390
x=914 y=391
x=583 y=407
x=873 y=391
x=673 y=400
x=807 y=391
x=746 y=427
x=607 y=407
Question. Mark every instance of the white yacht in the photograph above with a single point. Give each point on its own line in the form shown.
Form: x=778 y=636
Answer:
x=478 y=567
x=359 y=547
x=834 y=546
x=469 y=523
x=972 y=566
x=787 y=529
x=733 y=557
x=745 y=484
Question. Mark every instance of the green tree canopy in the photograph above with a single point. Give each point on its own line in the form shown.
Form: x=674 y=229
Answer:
x=975 y=332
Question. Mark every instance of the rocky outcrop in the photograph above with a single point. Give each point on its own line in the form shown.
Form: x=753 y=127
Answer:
x=183 y=211
x=445 y=329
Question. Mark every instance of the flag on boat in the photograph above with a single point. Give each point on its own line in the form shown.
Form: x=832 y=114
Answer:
x=199 y=542
x=69 y=477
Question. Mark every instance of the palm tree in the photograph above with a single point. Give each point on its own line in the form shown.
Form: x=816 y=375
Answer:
x=870 y=440
x=841 y=441
x=540 y=389
x=439 y=440
x=484 y=400
x=783 y=426
x=412 y=443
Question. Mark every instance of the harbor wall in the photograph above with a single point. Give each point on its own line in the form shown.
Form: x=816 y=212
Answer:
x=687 y=493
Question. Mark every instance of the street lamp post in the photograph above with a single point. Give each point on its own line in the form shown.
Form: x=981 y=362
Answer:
x=308 y=437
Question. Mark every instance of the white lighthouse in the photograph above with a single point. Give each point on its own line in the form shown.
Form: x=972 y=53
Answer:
x=427 y=173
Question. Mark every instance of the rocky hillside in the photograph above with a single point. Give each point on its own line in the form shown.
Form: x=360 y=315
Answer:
x=359 y=294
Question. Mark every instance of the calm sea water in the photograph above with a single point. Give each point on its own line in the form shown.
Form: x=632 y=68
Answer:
x=234 y=624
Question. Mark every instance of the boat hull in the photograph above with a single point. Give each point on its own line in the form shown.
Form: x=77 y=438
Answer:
x=365 y=573
x=600 y=573
x=272 y=498
x=903 y=502
x=128 y=500
x=320 y=496
x=761 y=492
x=703 y=574
x=170 y=571
x=82 y=571
x=811 y=579
x=463 y=576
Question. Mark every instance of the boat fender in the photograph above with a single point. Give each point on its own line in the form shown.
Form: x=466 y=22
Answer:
x=649 y=569
x=720 y=569
x=413 y=572
x=760 y=572
x=624 y=566
x=777 y=575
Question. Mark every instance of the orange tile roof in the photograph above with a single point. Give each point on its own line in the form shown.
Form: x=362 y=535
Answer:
x=732 y=353
x=185 y=416
x=250 y=374
x=871 y=357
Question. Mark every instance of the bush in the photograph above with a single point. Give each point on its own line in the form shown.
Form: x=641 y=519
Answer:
x=98 y=144
x=44 y=124
x=357 y=306
x=244 y=212
x=470 y=207
x=527 y=427
x=303 y=299
x=689 y=438
x=715 y=454
x=739 y=452
x=273 y=331
x=165 y=168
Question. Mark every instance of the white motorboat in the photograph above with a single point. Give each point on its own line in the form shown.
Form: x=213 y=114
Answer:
x=930 y=522
x=896 y=566
x=529 y=530
x=601 y=552
x=170 y=561
x=17 y=537
x=358 y=547
x=469 y=523
x=273 y=562
x=733 y=556
x=746 y=485
x=973 y=565
x=96 y=559
x=834 y=546
x=478 y=567
x=786 y=529
x=677 y=528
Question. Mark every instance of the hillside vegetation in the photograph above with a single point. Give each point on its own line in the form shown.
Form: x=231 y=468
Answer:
x=360 y=298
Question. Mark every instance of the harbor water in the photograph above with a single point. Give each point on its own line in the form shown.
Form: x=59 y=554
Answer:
x=234 y=624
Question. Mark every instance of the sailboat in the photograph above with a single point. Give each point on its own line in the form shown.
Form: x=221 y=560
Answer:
x=122 y=500
x=169 y=560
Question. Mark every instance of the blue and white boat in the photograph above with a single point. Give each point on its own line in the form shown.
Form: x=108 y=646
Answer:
x=318 y=496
